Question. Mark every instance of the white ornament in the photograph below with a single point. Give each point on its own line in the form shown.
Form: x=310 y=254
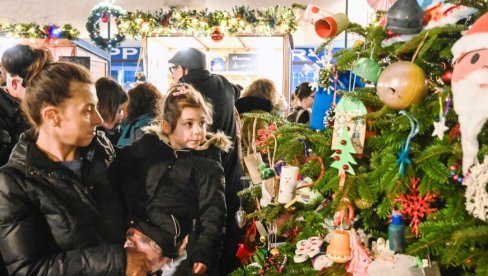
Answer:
x=288 y=183
x=476 y=195
x=439 y=128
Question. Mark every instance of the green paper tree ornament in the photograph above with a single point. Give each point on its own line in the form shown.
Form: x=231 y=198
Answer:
x=343 y=153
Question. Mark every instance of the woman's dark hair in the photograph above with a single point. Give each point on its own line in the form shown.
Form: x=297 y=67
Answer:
x=51 y=85
x=110 y=95
x=143 y=98
x=303 y=90
x=24 y=61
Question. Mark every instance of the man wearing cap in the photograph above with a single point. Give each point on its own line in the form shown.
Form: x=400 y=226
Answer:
x=188 y=66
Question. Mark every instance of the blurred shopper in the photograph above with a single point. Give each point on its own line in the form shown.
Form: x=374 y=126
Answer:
x=304 y=96
x=112 y=101
x=144 y=99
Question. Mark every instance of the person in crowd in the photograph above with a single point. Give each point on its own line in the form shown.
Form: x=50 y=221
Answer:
x=304 y=96
x=59 y=213
x=18 y=60
x=112 y=101
x=144 y=99
x=3 y=76
x=259 y=97
x=178 y=165
x=188 y=66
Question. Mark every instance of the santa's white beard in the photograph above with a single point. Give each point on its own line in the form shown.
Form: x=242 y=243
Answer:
x=470 y=102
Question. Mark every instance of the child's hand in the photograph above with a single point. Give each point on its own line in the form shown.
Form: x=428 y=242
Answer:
x=199 y=268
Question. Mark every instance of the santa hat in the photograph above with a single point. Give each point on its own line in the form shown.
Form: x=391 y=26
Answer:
x=475 y=38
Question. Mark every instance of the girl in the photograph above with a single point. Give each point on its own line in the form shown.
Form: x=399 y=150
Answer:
x=182 y=188
x=304 y=96
x=59 y=214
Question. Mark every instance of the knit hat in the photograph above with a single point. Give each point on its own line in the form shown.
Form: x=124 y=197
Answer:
x=475 y=38
x=190 y=58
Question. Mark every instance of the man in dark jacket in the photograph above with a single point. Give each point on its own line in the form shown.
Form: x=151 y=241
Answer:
x=189 y=67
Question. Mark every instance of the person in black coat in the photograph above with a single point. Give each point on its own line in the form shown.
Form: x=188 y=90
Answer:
x=189 y=67
x=59 y=213
x=174 y=183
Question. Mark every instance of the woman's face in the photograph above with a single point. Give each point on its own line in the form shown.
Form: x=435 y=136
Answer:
x=78 y=116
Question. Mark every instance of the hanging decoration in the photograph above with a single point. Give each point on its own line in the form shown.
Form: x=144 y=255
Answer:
x=339 y=249
x=332 y=25
x=401 y=84
x=403 y=159
x=348 y=117
x=33 y=30
x=101 y=14
x=343 y=153
x=415 y=206
x=476 y=191
x=367 y=69
x=405 y=17
x=217 y=35
x=440 y=127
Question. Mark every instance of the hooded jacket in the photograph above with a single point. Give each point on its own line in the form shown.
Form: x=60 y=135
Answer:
x=170 y=193
x=53 y=222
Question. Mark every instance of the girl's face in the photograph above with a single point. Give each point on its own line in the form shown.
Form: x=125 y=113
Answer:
x=78 y=117
x=119 y=116
x=189 y=131
x=308 y=101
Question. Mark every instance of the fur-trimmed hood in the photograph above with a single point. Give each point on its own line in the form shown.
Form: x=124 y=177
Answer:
x=218 y=140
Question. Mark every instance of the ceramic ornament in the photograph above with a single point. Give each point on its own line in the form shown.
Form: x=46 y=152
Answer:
x=405 y=17
x=339 y=249
x=476 y=194
x=470 y=87
x=346 y=113
x=288 y=184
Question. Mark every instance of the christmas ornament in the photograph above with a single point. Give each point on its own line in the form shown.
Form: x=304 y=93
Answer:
x=360 y=259
x=339 y=250
x=367 y=69
x=217 y=35
x=321 y=261
x=401 y=84
x=313 y=14
x=476 y=191
x=342 y=154
x=470 y=87
x=381 y=5
x=415 y=206
x=267 y=191
x=453 y=172
x=442 y=14
x=331 y=25
x=440 y=127
x=348 y=114
x=403 y=159
x=288 y=183
x=404 y=17
x=104 y=18
x=446 y=76
x=362 y=203
x=241 y=217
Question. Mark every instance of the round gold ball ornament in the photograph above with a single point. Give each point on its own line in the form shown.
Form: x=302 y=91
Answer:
x=362 y=204
x=401 y=84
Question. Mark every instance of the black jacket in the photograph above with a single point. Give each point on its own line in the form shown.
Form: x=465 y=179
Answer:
x=12 y=124
x=54 y=223
x=170 y=193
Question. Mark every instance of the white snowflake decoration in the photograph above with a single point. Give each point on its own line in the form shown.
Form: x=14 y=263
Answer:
x=476 y=195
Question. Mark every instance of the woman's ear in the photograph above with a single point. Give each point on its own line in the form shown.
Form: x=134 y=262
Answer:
x=50 y=115
x=166 y=127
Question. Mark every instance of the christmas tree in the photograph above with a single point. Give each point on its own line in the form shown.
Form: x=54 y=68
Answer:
x=411 y=160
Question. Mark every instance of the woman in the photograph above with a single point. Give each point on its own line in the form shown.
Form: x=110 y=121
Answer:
x=59 y=214
x=143 y=103
x=112 y=103
x=304 y=96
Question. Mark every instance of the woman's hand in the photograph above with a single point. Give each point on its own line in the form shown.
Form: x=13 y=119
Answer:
x=199 y=268
x=137 y=264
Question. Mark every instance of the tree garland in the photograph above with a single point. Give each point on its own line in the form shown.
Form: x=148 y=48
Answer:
x=34 y=30
x=102 y=12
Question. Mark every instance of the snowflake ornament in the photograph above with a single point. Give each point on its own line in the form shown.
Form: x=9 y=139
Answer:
x=415 y=206
x=476 y=194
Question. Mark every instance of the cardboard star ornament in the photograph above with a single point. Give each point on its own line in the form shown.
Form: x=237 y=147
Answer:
x=439 y=128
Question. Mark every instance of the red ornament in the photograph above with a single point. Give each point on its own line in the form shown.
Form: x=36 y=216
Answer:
x=336 y=158
x=217 y=35
x=343 y=142
x=315 y=9
x=345 y=167
x=446 y=76
x=104 y=18
x=338 y=151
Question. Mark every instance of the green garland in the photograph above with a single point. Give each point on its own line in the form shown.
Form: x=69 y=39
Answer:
x=34 y=30
x=93 y=25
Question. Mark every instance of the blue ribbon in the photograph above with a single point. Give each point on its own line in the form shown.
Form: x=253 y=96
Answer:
x=403 y=159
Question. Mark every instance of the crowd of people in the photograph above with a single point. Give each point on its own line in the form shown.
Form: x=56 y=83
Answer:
x=98 y=181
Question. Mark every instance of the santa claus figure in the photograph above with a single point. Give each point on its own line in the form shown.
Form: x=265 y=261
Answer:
x=470 y=87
